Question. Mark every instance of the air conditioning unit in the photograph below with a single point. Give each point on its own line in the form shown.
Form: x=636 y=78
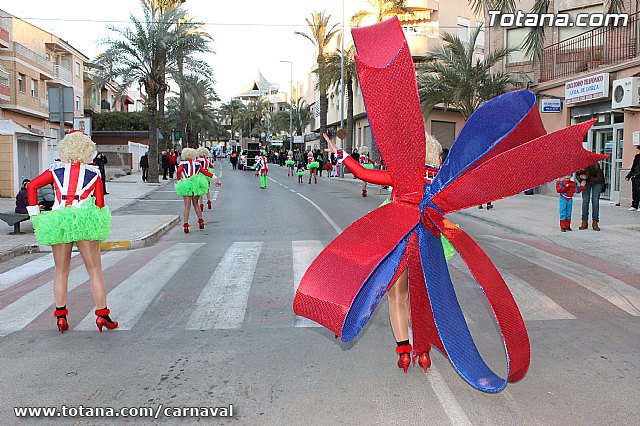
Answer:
x=625 y=93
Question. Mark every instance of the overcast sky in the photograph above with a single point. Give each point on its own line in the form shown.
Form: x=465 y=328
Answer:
x=249 y=35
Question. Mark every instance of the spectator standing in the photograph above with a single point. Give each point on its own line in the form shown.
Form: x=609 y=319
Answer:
x=594 y=176
x=634 y=176
x=144 y=165
x=356 y=156
x=101 y=160
x=173 y=162
x=320 y=159
x=165 y=164
x=234 y=160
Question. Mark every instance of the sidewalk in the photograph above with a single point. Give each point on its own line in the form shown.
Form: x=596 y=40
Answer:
x=537 y=215
x=128 y=232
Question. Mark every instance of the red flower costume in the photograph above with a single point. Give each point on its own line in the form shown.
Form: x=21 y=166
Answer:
x=503 y=138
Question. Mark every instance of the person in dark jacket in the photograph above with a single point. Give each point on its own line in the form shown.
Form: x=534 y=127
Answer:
x=101 y=161
x=591 y=193
x=144 y=165
x=634 y=176
x=356 y=156
x=165 y=165
x=22 y=200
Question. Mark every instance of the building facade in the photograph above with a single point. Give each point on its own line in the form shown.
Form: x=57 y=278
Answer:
x=585 y=74
x=31 y=61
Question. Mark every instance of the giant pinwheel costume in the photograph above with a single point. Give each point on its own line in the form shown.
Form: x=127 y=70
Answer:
x=502 y=150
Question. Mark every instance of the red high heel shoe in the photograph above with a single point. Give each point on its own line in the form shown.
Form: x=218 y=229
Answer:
x=103 y=320
x=424 y=361
x=364 y=192
x=209 y=204
x=405 y=357
x=61 y=314
x=201 y=223
x=186 y=228
x=201 y=207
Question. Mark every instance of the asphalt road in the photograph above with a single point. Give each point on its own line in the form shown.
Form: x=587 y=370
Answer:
x=206 y=321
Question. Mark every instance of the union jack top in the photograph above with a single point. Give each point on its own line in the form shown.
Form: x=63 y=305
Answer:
x=365 y=159
x=190 y=168
x=73 y=184
x=205 y=162
x=261 y=165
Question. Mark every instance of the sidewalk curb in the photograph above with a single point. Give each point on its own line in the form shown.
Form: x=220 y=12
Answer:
x=494 y=223
x=141 y=242
x=19 y=251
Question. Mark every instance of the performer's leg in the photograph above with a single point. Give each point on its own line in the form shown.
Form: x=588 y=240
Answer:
x=399 y=308
x=196 y=207
x=364 y=188
x=62 y=261
x=187 y=208
x=90 y=252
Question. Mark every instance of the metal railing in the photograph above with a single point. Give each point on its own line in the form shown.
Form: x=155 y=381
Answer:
x=591 y=50
x=63 y=74
x=33 y=56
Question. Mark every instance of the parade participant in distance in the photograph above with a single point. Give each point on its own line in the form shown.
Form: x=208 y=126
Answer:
x=78 y=216
x=313 y=166
x=290 y=163
x=191 y=185
x=300 y=171
x=206 y=162
x=367 y=163
x=262 y=169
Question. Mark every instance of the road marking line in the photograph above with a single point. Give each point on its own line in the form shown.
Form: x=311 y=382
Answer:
x=129 y=300
x=20 y=313
x=304 y=253
x=292 y=191
x=14 y=276
x=326 y=216
x=223 y=301
x=448 y=401
x=615 y=291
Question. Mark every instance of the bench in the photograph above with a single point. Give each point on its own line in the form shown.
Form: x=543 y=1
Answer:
x=14 y=219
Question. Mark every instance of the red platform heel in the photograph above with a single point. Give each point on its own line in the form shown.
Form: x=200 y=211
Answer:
x=424 y=361
x=103 y=320
x=209 y=204
x=186 y=228
x=405 y=357
x=61 y=314
x=201 y=223
x=201 y=207
x=364 y=192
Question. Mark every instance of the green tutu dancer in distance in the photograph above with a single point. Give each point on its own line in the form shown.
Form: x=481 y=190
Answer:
x=192 y=184
x=207 y=163
x=78 y=216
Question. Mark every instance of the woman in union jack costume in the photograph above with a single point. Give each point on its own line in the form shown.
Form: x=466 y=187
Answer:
x=78 y=216
x=365 y=161
x=290 y=162
x=191 y=185
x=313 y=166
x=207 y=163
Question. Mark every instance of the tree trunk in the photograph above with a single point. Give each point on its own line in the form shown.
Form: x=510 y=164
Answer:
x=324 y=101
x=152 y=107
x=161 y=116
x=183 y=109
x=348 y=143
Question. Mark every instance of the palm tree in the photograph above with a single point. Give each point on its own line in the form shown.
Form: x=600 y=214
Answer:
x=202 y=120
x=254 y=117
x=320 y=36
x=231 y=112
x=382 y=9
x=534 y=43
x=333 y=68
x=300 y=118
x=452 y=77
x=137 y=55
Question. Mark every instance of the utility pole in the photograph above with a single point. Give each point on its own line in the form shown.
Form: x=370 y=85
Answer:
x=291 y=104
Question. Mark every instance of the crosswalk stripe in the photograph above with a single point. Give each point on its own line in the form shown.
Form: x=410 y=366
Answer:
x=304 y=253
x=20 y=313
x=611 y=289
x=534 y=304
x=223 y=301
x=130 y=299
x=30 y=269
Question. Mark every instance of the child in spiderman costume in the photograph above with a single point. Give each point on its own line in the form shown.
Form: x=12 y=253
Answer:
x=78 y=216
x=567 y=188
x=191 y=185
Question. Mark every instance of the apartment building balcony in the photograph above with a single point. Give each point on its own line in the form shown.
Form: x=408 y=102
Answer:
x=61 y=77
x=420 y=38
x=5 y=88
x=5 y=41
x=590 y=51
x=44 y=65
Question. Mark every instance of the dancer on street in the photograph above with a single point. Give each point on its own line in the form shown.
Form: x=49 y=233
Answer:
x=191 y=185
x=262 y=169
x=313 y=166
x=290 y=163
x=365 y=161
x=206 y=162
x=78 y=216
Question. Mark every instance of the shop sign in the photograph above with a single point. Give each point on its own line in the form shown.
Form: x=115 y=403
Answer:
x=587 y=88
x=550 y=105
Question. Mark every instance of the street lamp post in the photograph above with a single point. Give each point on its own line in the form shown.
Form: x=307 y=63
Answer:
x=291 y=105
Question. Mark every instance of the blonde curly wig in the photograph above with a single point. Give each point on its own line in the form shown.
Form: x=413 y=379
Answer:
x=203 y=152
x=188 y=154
x=76 y=147
x=432 y=156
x=363 y=150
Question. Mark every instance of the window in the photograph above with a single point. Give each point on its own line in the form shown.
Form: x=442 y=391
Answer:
x=463 y=29
x=444 y=132
x=21 y=83
x=77 y=103
x=34 y=88
x=480 y=45
x=77 y=69
x=515 y=40
x=4 y=77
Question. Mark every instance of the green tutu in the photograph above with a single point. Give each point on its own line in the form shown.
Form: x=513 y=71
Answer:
x=448 y=248
x=368 y=166
x=313 y=165
x=299 y=173
x=209 y=179
x=289 y=162
x=87 y=222
x=193 y=186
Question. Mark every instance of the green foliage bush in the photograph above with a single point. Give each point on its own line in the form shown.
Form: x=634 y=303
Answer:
x=122 y=121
